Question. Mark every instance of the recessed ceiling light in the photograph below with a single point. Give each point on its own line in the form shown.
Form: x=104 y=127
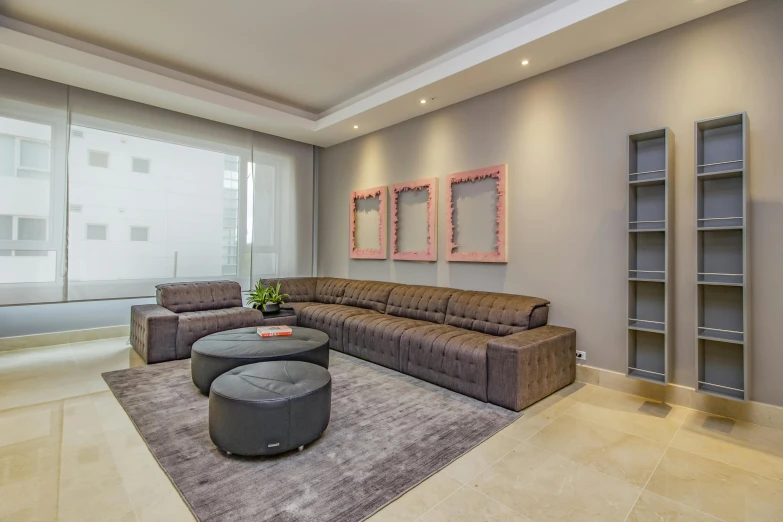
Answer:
x=423 y=101
x=525 y=62
x=355 y=126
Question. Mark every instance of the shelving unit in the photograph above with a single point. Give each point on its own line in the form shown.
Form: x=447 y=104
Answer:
x=722 y=249
x=650 y=218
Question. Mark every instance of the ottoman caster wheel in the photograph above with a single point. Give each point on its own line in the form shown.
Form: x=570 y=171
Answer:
x=300 y=448
x=228 y=453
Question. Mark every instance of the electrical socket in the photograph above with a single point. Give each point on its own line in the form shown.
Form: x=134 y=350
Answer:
x=582 y=356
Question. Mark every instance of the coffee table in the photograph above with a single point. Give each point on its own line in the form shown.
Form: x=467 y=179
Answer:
x=215 y=354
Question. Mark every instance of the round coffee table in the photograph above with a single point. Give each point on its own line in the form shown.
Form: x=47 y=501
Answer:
x=215 y=354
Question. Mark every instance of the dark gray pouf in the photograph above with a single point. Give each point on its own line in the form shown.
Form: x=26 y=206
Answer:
x=220 y=352
x=270 y=407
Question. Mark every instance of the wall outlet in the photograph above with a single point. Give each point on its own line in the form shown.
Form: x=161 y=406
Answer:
x=582 y=356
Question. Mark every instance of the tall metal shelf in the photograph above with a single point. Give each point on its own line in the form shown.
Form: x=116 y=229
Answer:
x=650 y=221
x=722 y=247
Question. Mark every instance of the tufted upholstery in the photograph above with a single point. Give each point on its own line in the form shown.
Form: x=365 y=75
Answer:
x=447 y=356
x=197 y=296
x=195 y=325
x=528 y=366
x=376 y=337
x=492 y=313
x=153 y=332
x=426 y=303
x=330 y=290
x=329 y=318
x=297 y=307
x=372 y=295
x=299 y=289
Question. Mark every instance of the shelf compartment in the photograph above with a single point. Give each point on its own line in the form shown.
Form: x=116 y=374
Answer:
x=722 y=369
x=720 y=223
x=720 y=202
x=721 y=310
x=721 y=174
x=647 y=256
x=647 y=302
x=647 y=152
x=647 y=355
x=647 y=204
x=720 y=144
x=720 y=252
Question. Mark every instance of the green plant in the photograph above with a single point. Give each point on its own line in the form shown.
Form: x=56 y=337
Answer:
x=260 y=296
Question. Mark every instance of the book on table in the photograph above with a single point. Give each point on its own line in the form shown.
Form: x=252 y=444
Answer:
x=274 y=331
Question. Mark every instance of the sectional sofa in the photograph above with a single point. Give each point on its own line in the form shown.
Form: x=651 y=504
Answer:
x=494 y=347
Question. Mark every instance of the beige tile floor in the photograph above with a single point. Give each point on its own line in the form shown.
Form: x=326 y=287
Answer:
x=69 y=452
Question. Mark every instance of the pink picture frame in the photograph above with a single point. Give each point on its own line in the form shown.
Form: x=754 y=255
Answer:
x=498 y=173
x=431 y=185
x=369 y=253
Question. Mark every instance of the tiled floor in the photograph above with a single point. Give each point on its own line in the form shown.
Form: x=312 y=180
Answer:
x=69 y=452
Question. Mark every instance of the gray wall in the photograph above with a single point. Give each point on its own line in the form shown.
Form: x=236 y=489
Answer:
x=563 y=136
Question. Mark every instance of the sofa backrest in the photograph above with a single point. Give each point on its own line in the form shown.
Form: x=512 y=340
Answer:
x=372 y=295
x=330 y=290
x=199 y=296
x=299 y=289
x=426 y=303
x=494 y=313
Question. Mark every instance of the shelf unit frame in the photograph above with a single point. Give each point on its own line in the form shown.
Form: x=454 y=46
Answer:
x=650 y=241
x=722 y=244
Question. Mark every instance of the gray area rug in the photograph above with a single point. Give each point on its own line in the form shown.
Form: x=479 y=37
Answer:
x=388 y=432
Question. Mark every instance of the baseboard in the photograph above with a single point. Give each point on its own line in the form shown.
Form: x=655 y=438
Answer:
x=749 y=411
x=74 y=336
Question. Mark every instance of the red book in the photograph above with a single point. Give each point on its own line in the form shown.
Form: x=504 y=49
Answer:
x=274 y=331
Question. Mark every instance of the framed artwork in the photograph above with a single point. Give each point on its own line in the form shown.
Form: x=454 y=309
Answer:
x=496 y=254
x=371 y=199
x=429 y=185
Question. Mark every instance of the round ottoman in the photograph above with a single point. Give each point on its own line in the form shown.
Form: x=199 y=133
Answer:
x=270 y=407
x=220 y=352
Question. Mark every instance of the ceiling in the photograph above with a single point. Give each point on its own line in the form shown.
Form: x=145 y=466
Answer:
x=312 y=70
x=311 y=54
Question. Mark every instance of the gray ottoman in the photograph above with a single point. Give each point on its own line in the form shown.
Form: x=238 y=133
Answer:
x=220 y=352
x=270 y=407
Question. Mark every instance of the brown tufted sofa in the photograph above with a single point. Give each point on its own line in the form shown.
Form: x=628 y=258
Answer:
x=493 y=347
x=185 y=313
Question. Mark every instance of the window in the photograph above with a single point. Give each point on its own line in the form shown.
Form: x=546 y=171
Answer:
x=139 y=233
x=31 y=229
x=140 y=165
x=98 y=159
x=34 y=155
x=96 y=232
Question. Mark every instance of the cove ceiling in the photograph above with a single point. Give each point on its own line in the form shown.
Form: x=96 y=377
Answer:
x=311 y=70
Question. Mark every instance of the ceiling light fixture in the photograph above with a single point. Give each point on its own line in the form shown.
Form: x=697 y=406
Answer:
x=355 y=126
x=423 y=101
x=525 y=62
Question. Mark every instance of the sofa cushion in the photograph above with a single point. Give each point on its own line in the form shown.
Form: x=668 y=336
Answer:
x=492 y=313
x=195 y=325
x=330 y=290
x=197 y=296
x=299 y=289
x=448 y=356
x=426 y=303
x=376 y=337
x=329 y=318
x=372 y=295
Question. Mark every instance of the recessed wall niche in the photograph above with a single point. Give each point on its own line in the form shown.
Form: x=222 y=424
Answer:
x=476 y=216
x=414 y=234
x=368 y=223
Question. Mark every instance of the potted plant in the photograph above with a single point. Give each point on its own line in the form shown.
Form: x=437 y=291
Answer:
x=267 y=299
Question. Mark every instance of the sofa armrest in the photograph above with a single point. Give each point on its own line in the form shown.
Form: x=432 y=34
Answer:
x=525 y=367
x=153 y=333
